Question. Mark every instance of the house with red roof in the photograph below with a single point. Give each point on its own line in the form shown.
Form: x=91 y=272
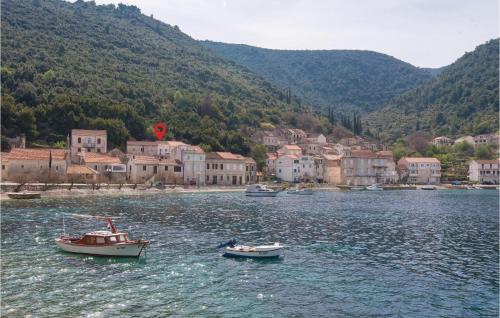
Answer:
x=420 y=170
x=225 y=168
x=29 y=164
x=142 y=169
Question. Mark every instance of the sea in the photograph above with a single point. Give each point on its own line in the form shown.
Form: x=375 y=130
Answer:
x=410 y=253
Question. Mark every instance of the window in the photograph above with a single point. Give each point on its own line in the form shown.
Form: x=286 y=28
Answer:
x=99 y=141
x=177 y=169
x=142 y=149
x=221 y=178
x=279 y=170
x=79 y=140
x=57 y=168
x=208 y=166
x=213 y=165
x=221 y=166
x=166 y=168
x=3 y=167
x=112 y=239
x=99 y=240
x=79 y=149
x=143 y=168
x=155 y=169
x=246 y=168
x=98 y=149
x=208 y=178
x=216 y=166
x=227 y=178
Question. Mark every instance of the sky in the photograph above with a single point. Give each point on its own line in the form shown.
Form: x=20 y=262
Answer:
x=425 y=33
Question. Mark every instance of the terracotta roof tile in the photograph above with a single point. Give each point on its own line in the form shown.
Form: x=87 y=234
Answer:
x=292 y=147
x=93 y=157
x=487 y=161
x=77 y=169
x=144 y=160
x=35 y=154
x=88 y=132
x=420 y=160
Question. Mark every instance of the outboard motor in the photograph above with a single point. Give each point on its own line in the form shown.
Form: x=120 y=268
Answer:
x=230 y=243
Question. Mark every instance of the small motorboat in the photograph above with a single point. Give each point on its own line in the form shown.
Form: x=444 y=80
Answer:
x=306 y=191
x=428 y=187
x=24 y=195
x=374 y=187
x=231 y=249
x=260 y=190
x=103 y=243
x=357 y=188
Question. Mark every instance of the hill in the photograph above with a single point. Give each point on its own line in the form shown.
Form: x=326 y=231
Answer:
x=77 y=65
x=343 y=79
x=462 y=99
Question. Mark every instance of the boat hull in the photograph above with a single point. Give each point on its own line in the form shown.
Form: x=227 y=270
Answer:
x=120 y=249
x=257 y=253
x=14 y=195
x=261 y=194
x=300 y=192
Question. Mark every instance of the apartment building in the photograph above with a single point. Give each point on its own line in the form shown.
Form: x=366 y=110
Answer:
x=225 y=168
x=484 y=171
x=420 y=170
x=84 y=140
x=27 y=164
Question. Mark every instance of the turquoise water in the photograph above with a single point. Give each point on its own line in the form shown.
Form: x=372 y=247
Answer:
x=390 y=253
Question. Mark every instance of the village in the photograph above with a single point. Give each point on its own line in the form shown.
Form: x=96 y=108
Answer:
x=293 y=156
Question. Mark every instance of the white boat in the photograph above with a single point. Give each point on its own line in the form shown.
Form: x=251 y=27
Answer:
x=260 y=190
x=231 y=249
x=428 y=187
x=104 y=243
x=306 y=191
x=374 y=187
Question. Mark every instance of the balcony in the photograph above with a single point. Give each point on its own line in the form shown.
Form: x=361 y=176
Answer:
x=87 y=144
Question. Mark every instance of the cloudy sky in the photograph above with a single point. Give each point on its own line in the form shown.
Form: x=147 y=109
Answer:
x=425 y=33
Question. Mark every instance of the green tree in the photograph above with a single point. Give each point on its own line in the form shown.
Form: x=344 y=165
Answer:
x=484 y=152
x=259 y=154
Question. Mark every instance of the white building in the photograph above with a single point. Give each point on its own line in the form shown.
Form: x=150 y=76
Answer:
x=193 y=160
x=484 y=171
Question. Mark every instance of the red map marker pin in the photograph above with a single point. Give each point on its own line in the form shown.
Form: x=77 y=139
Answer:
x=160 y=129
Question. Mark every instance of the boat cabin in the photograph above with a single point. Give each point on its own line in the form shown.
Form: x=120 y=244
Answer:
x=103 y=238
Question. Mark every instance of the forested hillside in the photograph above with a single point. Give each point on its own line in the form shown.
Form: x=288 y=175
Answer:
x=345 y=80
x=462 y=99
x=78 y=65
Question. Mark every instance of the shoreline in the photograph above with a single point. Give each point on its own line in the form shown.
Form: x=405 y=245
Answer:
x=62 y=190
x=64 y=193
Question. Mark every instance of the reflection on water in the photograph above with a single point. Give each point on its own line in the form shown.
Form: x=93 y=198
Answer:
x=390 y=253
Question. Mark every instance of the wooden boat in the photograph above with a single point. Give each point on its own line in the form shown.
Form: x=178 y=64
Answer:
x=297 y=191
x=231 y=249
x=260 y=190
x=104 y=243
x=24 y=195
